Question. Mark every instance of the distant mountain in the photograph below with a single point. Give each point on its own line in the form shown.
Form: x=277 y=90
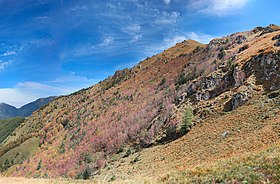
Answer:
x=8 y=111
x=29 y=108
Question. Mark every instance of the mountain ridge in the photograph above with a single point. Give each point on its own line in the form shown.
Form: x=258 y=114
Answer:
x=9 y=111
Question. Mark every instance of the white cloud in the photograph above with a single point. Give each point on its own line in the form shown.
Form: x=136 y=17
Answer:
x=128 y=64
x=169 y=42
x=8 y=53
x=165 y=18
x=135 y=38
x=132 y=29
x=4 y=64
x=25 y=92
x=218 y=7
x=88 y=49
x=108 y=40
x=16 y=97
x=200 y=37
x=166 y=2
x=41 y=19
x=179 y=37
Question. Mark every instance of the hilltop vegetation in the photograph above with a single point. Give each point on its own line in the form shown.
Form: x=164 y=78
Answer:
x=215 y=101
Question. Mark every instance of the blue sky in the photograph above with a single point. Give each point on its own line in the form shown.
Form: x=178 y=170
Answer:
x=54 y=47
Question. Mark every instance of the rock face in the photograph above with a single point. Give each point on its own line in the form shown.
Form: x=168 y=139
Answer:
x=233 y=74
x=266 y=68
x=236 y=101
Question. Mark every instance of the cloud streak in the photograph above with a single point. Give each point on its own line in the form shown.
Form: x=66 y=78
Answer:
x=218 y=7
x=25 y=92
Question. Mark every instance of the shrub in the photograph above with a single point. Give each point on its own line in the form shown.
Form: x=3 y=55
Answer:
x=222 y=54
x=162 y=82
x=128 y=152
x=187 y=120
x=231 y=65
x=61 y=149
x=181 y=79
x=39 y=165
x=113 y=178
x=85 y=175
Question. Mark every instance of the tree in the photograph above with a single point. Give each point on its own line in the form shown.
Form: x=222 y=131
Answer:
x=187 y=120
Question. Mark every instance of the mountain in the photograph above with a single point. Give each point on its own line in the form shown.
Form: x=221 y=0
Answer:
x=188 y=107
x=8 y=111
x=29 y=108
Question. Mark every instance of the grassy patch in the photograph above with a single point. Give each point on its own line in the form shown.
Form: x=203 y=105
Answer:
x=262 y=167
x=8 y=126
x=19 y=154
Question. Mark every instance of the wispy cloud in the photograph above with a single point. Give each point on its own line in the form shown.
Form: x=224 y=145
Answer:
x=166 y=2
x=218 y=7
x=4 y=64
x=132 y=29
x=127 y=64
x=108 y=40
x=88 y=49
x=200 y=37
x=8 y=53
x=27 y=91
x=165 y=18
x=135 y=38
x=177 y=38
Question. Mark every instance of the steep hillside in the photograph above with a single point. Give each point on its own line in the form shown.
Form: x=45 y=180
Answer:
x=8 y=126
x=8 y=111
x=222 y=99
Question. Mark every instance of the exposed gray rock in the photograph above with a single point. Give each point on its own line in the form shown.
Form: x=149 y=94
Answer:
x=224 y=134
x=277 y=44
x=277 y=37
x=236 y=101
x=266 y=68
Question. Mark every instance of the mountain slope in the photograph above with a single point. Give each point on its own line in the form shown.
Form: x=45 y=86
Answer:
x=81 y=124
x=29 y=108
x=8 y=126
x=8 y=111
x=203 y=91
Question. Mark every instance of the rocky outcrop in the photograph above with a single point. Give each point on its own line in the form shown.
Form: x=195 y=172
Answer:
x=265 y=67
x=236 y=101
x=269 y=29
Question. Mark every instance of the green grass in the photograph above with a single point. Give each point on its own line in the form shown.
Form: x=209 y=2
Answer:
x=262 y=167
x=19 y=154
x=8 y=126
